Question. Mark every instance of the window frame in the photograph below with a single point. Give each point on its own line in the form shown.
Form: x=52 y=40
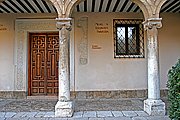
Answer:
x=137 y=23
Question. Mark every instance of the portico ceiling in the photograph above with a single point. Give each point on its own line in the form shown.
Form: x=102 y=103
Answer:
x=45 y=6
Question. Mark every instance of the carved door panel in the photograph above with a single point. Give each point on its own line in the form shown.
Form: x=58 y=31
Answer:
x=43 y=63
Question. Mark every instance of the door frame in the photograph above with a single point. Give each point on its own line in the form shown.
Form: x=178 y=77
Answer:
x=22 y=28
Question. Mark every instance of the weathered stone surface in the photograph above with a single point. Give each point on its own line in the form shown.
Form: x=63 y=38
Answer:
x=89 y=114
x=10 y=114
x=58 y=119
x=64 y=109
x=141 y=93
x=24 y=118
x=158 y=118
x=119 y=118
x=117 y=113
x=2 y=114
x=19 y=114
x=78 y=114
x=49 y=114
x=90 y=95
x=141 y=113
x=139 y=118
x=129 y=113
x=78 y=118
x=96 y=118
x=40 y=114
x=83 y=43
x=154 y=107
x=29 y=114
x=104 y=114
x=81 y=95
x=13 y=94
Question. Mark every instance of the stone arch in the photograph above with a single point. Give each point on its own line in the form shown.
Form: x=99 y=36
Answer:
x=64 y=7
x=143 y=7
x=1 y=1
x=160 y=5
x=150 y=8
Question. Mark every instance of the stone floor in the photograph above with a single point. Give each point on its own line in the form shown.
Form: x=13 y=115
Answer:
x=99 y=109
x=29 y=105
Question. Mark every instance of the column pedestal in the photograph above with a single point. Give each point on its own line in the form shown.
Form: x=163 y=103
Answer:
x=64 y=109
x=154 y=107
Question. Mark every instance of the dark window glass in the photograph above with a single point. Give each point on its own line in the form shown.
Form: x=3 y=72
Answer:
x=128 y=38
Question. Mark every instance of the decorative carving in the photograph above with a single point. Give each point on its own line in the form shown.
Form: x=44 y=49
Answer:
x=22 y=27
x=64 y=24
x=152 y=22
x=83 y=44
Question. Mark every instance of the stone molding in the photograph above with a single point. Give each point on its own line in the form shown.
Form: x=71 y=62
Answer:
x=64 y=23
x=152 y=22
x=22 y=27
x=83 y=43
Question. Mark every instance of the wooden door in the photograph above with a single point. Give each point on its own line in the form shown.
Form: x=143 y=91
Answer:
x=43 y=64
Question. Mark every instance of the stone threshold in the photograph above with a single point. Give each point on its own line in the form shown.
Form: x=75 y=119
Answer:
x=43 y=97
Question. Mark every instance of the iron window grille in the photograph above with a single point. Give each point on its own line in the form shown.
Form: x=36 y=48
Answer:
x=128 y=38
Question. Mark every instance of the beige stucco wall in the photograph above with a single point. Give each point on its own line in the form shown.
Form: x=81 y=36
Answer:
x=7 y=47
x=6 y=54
x=169 y=44
x=102 y=72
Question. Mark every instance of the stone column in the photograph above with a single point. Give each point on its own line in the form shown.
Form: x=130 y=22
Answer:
x=153 y=105
x=64 y=107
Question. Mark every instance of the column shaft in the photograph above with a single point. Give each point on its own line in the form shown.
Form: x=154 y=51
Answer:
x=64 y=107
x=64 y=85
x=153 y=64
x=153 y=105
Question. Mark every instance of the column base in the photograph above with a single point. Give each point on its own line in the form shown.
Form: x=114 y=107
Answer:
x=64 y=109
x=154 y=107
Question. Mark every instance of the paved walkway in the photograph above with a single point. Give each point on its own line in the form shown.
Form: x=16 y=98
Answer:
x=102 y=109
x=83 y=115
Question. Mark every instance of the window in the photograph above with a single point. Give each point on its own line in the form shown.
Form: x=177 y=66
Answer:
x=128 y=38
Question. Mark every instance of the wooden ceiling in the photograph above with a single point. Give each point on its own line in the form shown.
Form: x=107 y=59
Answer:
x=44 y=6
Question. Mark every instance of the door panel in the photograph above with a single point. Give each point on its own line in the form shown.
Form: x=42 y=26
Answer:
x=52 y=63
x=43 y=63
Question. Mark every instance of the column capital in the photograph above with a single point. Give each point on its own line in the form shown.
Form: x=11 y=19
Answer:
x=152 y=22
x=64 y=23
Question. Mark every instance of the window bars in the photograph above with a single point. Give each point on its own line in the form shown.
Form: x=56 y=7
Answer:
x=128 y=38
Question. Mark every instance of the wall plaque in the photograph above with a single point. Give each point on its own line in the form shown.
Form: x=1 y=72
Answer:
x=102 y=28
x=3 y=27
